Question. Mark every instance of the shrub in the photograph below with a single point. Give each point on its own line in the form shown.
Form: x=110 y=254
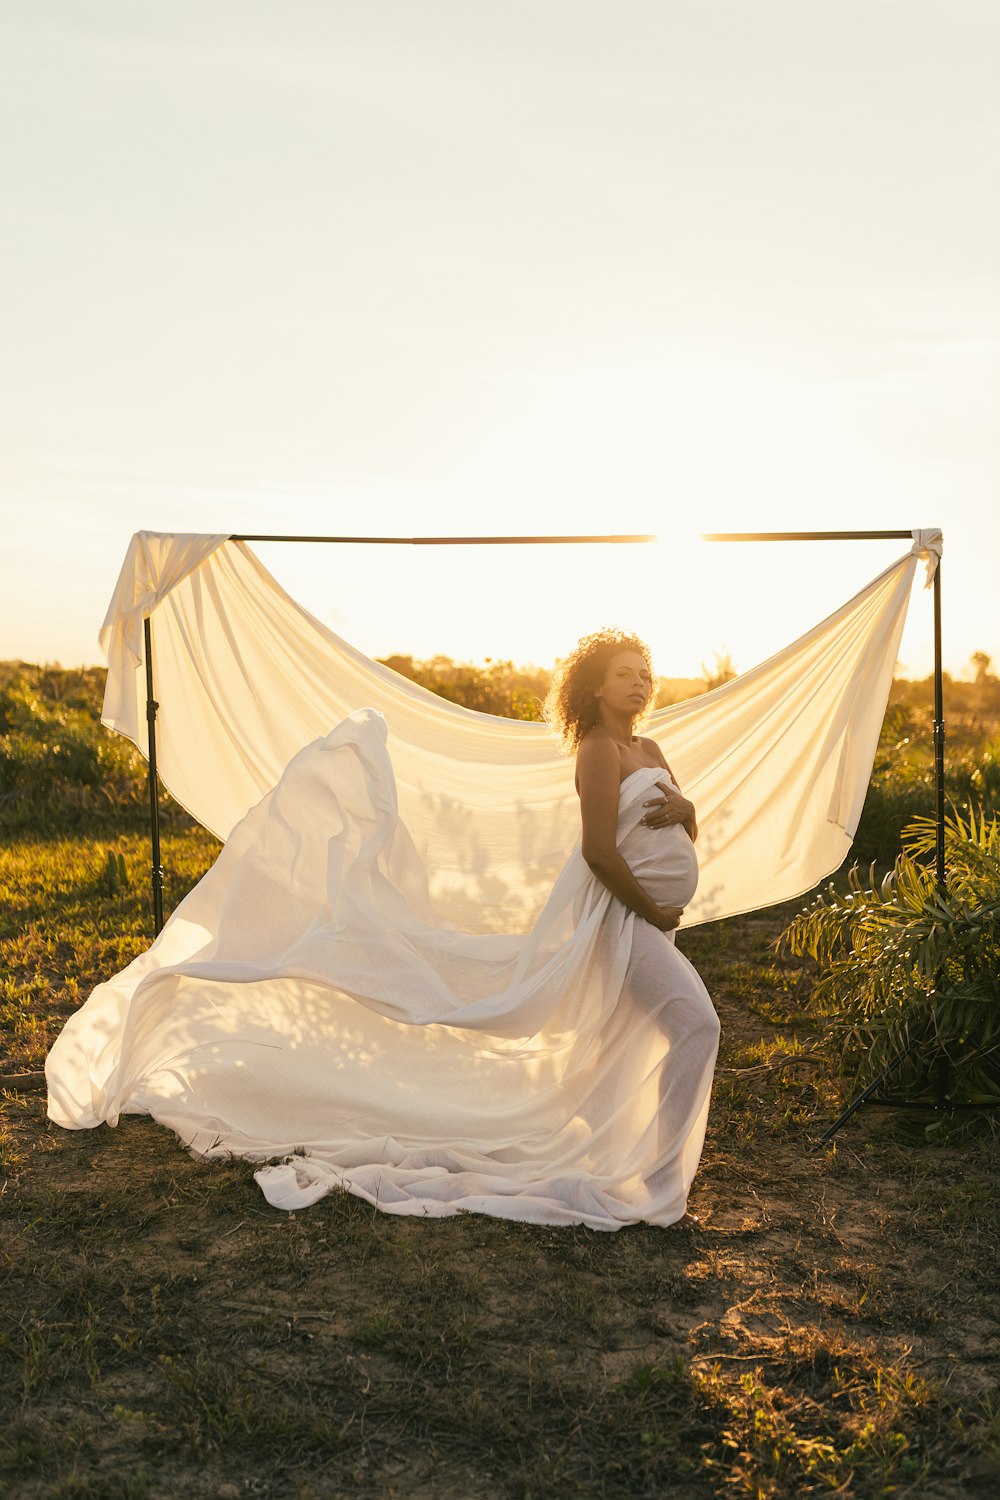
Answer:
x=902 y=785
x=496 y=687
x=58 y=764
x=906 y=965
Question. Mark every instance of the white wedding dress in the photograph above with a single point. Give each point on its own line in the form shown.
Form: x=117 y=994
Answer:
x=308 y=1002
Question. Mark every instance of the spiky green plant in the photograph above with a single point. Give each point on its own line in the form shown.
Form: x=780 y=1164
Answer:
x=905 y=964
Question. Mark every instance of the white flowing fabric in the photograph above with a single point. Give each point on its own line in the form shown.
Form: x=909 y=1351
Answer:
x=305 y=997
x=386 y=978
x=777 y=761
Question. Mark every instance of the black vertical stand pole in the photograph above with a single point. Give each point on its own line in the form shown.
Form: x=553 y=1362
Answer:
x=942 y=874
x=154 y=802
x=942 y=1072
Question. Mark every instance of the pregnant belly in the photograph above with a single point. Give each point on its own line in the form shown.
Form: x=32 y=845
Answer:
x=664 y=862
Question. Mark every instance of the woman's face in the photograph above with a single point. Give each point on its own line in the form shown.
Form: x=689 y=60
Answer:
x=627 y=684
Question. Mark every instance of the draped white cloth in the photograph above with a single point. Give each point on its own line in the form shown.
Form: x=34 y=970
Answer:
x=305 y=997
x=777 y=761
x=393 y=976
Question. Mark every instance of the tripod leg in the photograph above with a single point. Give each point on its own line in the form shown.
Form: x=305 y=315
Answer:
x=872 y=1088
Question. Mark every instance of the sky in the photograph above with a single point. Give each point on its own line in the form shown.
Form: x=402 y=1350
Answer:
x=536 y=266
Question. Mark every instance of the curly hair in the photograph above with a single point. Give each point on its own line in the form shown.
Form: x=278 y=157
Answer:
x=571 y=707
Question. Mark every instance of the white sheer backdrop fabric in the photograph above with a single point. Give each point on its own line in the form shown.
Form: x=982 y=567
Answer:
x=777 y=761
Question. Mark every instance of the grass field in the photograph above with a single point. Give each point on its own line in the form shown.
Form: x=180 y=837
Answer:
x=828 y=1329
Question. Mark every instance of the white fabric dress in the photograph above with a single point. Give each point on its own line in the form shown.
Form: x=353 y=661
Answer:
x=307 y=1001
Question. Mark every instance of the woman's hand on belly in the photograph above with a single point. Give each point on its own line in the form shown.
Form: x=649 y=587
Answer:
x=670 y=809
x=671 y=918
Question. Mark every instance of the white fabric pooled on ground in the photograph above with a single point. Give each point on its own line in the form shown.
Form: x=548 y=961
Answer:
x=306 y=997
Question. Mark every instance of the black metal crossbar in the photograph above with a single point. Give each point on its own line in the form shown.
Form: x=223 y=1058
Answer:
x=460 y=541
x=806 y=536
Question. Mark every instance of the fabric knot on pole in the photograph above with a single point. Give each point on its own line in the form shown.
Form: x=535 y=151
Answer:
x=928 y=544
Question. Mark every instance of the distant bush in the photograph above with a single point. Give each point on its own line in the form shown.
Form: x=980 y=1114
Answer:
x=978 y=699
x=902 y=786
x=59 y=766
x=500 y=687
x=495 y=687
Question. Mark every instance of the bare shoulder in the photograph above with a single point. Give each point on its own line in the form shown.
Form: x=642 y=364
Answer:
x=597 y=759
x=597 y=749
x=653 y=751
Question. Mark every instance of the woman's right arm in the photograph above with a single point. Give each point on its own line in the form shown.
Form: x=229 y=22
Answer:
x=598 y=778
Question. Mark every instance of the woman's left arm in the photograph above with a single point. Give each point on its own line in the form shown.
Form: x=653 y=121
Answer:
x=673 y=806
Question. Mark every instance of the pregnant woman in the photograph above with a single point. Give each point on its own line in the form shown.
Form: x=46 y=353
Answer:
x=601 y=691
x=313 y=1001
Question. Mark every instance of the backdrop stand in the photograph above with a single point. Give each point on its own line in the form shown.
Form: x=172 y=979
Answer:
x=868 y=1096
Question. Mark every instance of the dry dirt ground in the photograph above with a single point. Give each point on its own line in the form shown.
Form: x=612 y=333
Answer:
x=829 y=1328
